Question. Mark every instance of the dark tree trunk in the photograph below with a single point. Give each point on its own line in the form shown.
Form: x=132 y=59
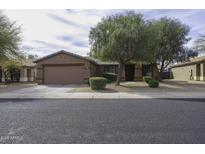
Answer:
x=161 y=70
x=119 y=73
x=6 y=76
x=152 y=72
x=155 y=72
x=160 y=76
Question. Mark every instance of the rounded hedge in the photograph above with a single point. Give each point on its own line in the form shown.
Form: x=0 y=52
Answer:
x=147 y=78
x=97 y=83
x=111 y=77
x=153 y=83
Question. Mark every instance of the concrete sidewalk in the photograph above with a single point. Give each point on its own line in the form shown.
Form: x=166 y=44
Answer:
x=97 y=95
x=141 y=95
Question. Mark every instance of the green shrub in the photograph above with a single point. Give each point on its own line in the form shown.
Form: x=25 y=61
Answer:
x=109 y=81
x=147 y=78
x=86 y=81
x=111 y=77
x=153 y=83
x=97 y=83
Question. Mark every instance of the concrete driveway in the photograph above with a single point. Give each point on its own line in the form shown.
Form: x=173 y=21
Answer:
x=39 y=91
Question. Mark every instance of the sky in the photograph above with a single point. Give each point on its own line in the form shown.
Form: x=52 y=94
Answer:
x=48 y=31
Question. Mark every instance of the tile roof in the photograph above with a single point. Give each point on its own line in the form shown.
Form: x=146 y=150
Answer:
x=95 y=61
x=192 y=61
x=65 y=52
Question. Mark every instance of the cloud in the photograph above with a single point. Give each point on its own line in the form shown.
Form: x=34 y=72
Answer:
x=75 y=41
x=47 y=31
x=65 y=38
x=67 y=22
x=55 y=46
x=26 y=47
x=80 y=43
x=91 y=12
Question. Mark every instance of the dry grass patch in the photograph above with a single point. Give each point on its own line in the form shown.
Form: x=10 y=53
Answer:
x=111 y=88
x=139 y=86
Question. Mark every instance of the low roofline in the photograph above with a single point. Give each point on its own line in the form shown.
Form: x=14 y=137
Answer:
x=65 y=52
x=188 y=63
x=107 y=64
x=29 y=66
x=75 y=55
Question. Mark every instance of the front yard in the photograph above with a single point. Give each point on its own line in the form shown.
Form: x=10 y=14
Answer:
x=139 y=86
x=132 y=87
x=110 y=88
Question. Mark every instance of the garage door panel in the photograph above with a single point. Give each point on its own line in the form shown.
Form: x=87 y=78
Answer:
x=63 y=74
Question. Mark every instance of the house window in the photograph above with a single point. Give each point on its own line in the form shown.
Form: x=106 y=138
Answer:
x=106 y=69
x=146 y=70
x=109 y=68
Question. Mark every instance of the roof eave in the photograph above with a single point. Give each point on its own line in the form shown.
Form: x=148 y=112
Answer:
x=65 y=52
x=189 y=63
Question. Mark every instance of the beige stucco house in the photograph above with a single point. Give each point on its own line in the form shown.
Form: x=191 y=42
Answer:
x=192 y=70
x=64 y=67
x=67 y=68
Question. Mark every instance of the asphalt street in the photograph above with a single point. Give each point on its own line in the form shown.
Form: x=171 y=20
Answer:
x=102 y=121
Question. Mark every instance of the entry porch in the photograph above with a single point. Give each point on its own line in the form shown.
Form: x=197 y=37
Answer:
x=25 y=74
x=131 y=71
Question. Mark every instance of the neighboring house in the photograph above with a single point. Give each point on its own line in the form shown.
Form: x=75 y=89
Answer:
x=27 y=73
x=192 y=70
x=67 y=68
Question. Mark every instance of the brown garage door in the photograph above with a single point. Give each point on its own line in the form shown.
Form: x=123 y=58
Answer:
x=63 y=74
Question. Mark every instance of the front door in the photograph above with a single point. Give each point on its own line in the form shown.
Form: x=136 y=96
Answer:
x=129 y=72
x=0 y=74
x=29 y=74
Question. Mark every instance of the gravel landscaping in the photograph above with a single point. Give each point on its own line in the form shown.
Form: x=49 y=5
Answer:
x=139 y=86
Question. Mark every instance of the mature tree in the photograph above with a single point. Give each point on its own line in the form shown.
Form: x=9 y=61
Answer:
x=120 y=38
x=166 y=42
x=9 y=38
x=32 y=57
x=186 y=54
x=199 y=44
x=11 y=68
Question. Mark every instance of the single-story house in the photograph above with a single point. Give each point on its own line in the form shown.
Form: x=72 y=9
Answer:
x=27 y=73
x=191 y=70
x=67 y=68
